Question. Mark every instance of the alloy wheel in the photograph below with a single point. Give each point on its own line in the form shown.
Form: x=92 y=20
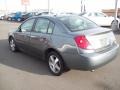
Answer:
x=12 y=45
x=54 y=64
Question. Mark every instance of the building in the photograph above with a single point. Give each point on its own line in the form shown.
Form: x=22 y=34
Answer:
x=111 y=12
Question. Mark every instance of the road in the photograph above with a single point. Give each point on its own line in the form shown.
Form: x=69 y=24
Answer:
x=19 y=71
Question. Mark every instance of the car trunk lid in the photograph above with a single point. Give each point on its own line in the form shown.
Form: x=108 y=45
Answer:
x=101 y=40
x=98 y=38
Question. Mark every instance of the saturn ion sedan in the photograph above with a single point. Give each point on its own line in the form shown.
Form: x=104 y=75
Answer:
x=72 y=42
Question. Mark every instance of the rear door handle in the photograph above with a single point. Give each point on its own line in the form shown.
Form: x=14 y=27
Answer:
x=33 y=36
x=44 y=38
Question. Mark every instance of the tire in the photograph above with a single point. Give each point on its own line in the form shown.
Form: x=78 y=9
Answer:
x=2 y=18
x=9 y=19
x=55 y=63
x=114 y=26
x=12 y=45
x=19 y=19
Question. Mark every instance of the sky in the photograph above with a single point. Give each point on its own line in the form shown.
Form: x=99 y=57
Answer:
x=58 y=5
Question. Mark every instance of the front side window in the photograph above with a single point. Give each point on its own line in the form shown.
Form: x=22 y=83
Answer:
x=27 y=26
x=42 y=25
x=76 y=23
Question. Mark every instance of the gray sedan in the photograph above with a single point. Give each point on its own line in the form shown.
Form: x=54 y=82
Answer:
x=65 y=42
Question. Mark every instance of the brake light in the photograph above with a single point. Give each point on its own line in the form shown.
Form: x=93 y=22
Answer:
x=82 y=42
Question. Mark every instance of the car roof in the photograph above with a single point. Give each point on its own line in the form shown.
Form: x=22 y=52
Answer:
x=54 y=18
x=46 y=16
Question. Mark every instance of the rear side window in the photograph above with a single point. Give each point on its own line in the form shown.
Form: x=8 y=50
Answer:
x=42 y=25
x=76 y=23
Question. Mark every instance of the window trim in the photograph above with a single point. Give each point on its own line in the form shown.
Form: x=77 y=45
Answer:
x=53 y=27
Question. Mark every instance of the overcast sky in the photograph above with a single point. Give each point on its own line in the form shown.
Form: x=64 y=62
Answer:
x=59 y=5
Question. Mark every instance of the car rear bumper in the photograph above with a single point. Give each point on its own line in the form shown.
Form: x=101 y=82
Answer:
x=90 y=61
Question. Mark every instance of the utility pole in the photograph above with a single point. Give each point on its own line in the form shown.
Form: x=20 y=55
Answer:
x=81 y=5
x=48 y=6
x=115 y=23
x=116 y=8
x=6 y=10
x=25 y=8
x=83 y=8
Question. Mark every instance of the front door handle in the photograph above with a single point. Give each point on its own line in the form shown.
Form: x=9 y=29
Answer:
x=33 y=36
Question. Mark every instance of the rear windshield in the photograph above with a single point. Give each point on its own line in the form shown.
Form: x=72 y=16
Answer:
x=76 y=23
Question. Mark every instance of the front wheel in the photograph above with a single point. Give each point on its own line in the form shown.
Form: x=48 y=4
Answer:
x=12 y=45
x=55 y=63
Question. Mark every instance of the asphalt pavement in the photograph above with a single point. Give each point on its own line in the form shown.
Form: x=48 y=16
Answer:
x=19 y=71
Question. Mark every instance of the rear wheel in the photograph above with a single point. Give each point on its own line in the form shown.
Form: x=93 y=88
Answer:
x=55 y=63
x=9 y=19
x=19 y=19
x=12 y=45
x=115 y=26
x=2 y=18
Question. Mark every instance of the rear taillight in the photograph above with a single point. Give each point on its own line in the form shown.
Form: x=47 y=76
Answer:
x=82 y=42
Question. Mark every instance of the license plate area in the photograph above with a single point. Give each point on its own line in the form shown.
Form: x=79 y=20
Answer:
x=104 y=42
x=100 y=41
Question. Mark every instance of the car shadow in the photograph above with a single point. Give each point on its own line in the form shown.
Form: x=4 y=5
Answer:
x=21 y=61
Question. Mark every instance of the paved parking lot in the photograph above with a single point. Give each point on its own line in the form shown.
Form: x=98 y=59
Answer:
x=19 y=71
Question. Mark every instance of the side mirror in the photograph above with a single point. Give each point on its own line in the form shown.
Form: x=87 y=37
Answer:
x=21 y=30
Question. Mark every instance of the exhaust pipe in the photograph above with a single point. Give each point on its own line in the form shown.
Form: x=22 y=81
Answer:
x=92 y=70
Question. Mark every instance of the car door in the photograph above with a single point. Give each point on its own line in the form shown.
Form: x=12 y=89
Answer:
x=23 y=35
x=41 y=36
